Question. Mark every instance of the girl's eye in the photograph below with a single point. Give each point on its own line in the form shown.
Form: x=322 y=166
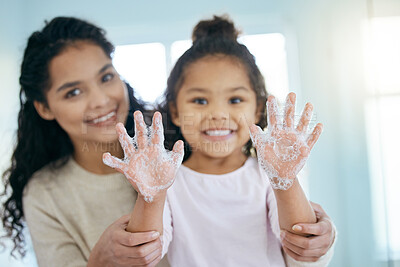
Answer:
x=200 y=101
x=107 y=77
x=73 y=92
x=235 y=100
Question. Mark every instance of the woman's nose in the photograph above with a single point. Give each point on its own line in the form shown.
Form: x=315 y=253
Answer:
x=98 y=97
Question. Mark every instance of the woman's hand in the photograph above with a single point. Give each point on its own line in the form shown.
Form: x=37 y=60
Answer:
x=147 y=165
x=319 y=239
x=119 y=248
x=283 y=150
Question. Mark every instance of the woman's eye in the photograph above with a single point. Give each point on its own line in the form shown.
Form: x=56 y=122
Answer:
x=107 y=77
x=235 y=100
x=200 y=101
x=73 y=92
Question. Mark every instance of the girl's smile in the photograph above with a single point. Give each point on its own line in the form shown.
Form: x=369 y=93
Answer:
x=218 y=134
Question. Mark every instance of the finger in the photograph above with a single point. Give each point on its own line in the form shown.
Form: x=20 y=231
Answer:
x=320 y=228
x=146 y=249
x=304 y=242
x=133 y=239
x=272 y=111
x=125 y=140
x=147 y=257
x=317 y=207
x=178 y=152
x=255 y=133
x=288 y=120
x=157 y=129
x=155 y=261
x=140 y=130
x=114 y=162
x=123 y=221
x=308 y=252
x=312 y=139
x=298 y=257
x=305 y=118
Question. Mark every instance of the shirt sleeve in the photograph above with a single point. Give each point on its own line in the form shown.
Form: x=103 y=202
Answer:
x=52 y=244
x=167 y=228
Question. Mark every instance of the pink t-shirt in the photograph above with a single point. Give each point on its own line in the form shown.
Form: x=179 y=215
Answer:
x=225 y=220
x=222 y=220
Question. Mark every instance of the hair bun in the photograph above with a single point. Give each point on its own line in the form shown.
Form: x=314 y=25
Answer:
x=218 y=26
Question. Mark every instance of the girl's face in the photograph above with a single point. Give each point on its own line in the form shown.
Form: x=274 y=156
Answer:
x=86 y=97
x=214 y=107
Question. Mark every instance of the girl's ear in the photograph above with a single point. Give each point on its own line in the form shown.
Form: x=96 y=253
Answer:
x=174 y=114
x=43 y=110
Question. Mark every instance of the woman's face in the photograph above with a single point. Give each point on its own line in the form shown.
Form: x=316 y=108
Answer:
x=86 y=97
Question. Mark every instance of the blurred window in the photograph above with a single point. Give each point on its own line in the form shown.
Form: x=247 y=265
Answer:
x=382 y=111
x=144 y=67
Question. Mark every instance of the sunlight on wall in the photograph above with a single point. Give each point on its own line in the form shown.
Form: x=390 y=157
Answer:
x=383 y=129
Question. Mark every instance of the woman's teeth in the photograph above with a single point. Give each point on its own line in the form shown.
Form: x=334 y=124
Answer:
x=104 y=118
x=218 y=132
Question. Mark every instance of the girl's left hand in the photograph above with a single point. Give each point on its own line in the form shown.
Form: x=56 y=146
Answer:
x=283 y=150
x=147 y=165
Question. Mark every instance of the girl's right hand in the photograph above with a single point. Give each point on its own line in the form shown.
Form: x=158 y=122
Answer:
x=117 y=247
x=147 y=165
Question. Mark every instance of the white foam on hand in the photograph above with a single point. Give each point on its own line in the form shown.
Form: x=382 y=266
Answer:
x=283 y=149
x=148 y=166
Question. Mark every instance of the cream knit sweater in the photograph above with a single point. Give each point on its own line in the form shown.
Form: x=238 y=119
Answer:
x=68 y=209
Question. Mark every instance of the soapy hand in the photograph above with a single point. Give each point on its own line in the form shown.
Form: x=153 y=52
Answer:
x=147 y=165
x=283 y=149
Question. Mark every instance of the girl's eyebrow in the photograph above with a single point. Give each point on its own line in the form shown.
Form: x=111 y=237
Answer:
x=230 y=90
x=196 y=90
x=238 y=88
x=75 y=83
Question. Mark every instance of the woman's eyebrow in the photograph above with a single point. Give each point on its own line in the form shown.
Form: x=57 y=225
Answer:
x=67 y=85
x=75 y=83
x=105 y=67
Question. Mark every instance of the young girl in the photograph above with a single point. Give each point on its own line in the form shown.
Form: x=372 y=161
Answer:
x=71 y=99
x=223 y=207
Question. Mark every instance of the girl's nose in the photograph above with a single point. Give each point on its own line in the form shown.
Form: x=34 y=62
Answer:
x=98 y=98
x=218 y=112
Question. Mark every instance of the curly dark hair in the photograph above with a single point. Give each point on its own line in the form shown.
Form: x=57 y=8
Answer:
x=217 y=36
x=41 y=142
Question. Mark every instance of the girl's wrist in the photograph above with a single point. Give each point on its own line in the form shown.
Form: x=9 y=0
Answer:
x=159 y=197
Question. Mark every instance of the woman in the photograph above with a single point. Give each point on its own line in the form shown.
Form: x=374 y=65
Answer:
x=71 y=99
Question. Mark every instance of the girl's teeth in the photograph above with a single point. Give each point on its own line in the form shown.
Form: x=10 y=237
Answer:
x=218 y=132
x=104 y=118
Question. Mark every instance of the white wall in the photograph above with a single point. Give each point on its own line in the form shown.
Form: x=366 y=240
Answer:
x=325 y=50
